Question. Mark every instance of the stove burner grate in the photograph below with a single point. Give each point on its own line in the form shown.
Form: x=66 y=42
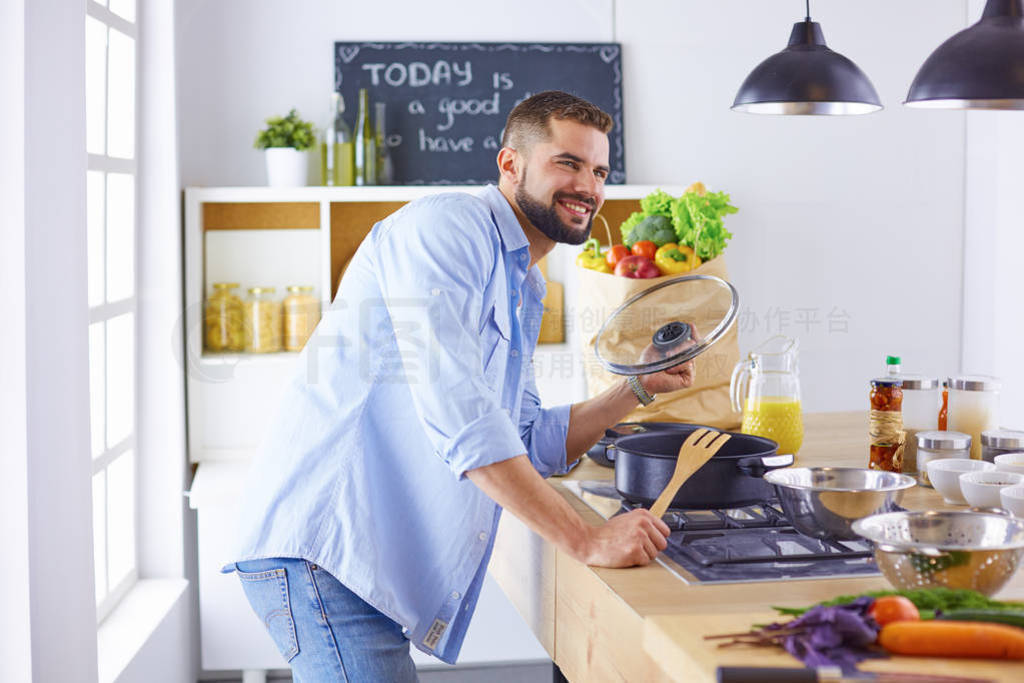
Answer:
x=751 y=535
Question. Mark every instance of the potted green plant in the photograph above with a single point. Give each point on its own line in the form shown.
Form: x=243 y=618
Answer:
x=284 y=142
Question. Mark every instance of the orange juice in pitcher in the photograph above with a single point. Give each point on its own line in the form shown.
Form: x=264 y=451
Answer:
x=766 y=388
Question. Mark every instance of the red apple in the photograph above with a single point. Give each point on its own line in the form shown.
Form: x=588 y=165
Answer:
x=636 y=267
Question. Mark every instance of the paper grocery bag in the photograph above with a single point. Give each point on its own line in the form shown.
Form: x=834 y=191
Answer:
x=707 y=400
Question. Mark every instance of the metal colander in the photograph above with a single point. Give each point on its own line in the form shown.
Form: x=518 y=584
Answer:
x=979 y=550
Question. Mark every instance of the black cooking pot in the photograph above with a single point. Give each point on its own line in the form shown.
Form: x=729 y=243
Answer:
x=602 y=453
x=644 y=464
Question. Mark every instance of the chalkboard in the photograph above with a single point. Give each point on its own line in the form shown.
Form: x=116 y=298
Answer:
x=447 y=102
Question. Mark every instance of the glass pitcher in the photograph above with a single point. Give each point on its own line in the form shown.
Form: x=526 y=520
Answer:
x=766 y=388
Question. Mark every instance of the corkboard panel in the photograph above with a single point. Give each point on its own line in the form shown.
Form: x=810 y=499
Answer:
x=615 y=211
x=350 y=223
x=261 y=215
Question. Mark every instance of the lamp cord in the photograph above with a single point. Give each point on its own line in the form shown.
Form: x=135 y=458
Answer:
x=808 y=17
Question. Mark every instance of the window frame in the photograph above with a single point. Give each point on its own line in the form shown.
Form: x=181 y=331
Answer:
x=109 y=310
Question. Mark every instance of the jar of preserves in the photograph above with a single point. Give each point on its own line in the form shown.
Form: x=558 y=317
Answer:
x=932 y=445
x=301 y=314
x=921 y=399
x=262 y=321
x=974 y=407
x=223 y=319
x=886 y=426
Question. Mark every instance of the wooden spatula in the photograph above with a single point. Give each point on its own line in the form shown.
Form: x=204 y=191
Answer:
x=694 y=452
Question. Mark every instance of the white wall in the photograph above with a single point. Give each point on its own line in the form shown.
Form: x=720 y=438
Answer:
x=994 y=236
x=854 y=216
x=16 y=644
x=861 y=215
x=164 y=656
x=164 y=531
x=56 y=391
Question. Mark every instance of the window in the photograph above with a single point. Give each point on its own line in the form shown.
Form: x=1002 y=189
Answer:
x=110 y=60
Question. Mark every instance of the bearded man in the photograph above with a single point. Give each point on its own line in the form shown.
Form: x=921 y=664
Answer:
x=413 y=419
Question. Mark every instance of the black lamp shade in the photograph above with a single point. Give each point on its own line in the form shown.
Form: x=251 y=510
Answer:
x=981 y=67
x=807 y=78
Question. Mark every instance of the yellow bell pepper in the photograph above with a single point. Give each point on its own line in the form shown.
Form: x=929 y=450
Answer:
x=673 y=259
x=592 y=258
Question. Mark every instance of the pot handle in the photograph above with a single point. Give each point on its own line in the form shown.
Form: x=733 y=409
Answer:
x=609 y=452
x=756 y=467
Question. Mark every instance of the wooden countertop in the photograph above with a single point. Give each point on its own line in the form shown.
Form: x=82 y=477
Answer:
x=644 y=623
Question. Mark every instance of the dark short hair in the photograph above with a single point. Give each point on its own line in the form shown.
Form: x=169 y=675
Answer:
x=528 y=121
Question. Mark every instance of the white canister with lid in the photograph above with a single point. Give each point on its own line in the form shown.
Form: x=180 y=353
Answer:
x=998 y=441
x=973 y=407
x=932 y=445
x=921 y=401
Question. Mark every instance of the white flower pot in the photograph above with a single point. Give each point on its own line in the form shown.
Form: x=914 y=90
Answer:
x=286 y=167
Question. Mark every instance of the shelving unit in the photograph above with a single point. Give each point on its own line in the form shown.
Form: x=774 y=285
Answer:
x=280 y=236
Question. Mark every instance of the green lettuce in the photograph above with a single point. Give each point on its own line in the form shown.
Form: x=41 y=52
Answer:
x=697 y=220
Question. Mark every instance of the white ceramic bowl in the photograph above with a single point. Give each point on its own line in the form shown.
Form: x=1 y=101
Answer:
x=1012 y=498
x=1010 y=462
x=944 y=474
x=981 y=488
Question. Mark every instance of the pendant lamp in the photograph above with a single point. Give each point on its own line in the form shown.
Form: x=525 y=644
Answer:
x=981 y=67
x=807 y=78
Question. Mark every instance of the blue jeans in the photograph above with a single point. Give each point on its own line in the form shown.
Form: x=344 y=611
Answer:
x=325 y=632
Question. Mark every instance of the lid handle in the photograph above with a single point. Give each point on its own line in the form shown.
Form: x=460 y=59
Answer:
x=671 y=335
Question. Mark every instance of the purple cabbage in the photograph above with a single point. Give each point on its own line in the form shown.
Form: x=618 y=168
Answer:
x=841 y=635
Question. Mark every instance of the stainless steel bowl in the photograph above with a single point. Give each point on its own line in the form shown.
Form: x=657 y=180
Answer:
x=979 y=550
x=822 y=502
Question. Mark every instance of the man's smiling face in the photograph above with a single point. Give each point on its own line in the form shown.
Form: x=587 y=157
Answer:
x=561 y=183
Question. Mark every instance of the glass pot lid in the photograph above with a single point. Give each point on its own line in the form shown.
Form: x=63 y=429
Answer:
x=654 y=330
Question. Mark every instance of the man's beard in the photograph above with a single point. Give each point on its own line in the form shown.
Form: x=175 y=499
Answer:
x=545 y=218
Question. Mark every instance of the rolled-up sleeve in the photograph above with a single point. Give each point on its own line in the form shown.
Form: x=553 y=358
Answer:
x=434 y=266
x=544 y=431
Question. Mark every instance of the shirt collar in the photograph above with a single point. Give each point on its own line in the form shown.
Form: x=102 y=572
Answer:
x=512 y=235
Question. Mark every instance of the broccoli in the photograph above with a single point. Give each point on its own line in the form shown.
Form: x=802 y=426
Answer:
x=657 y=229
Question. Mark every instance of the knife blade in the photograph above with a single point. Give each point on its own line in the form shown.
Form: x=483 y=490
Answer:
x=829 y=674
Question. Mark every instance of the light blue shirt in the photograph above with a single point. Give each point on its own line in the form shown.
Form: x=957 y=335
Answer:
x=420 y=371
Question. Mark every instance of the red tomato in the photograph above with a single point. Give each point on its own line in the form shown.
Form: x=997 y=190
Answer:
x=616 y=254
x=890 y=608
x=645 y=248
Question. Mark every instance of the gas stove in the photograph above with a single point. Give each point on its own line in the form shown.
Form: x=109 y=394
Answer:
x=753 y=543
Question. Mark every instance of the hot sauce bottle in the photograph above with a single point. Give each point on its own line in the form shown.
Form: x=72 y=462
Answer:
x=944 y=410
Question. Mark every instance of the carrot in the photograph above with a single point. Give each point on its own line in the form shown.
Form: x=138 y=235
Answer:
x=953 y=639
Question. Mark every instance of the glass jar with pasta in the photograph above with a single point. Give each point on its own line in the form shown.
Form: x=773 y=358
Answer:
x=888 y=440
x=262 y=321
x=301 y=314
x=223 y=319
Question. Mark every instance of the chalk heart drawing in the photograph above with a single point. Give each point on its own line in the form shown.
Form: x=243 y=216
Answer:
x=349 y=52
x=618 y=177
x=609 y=53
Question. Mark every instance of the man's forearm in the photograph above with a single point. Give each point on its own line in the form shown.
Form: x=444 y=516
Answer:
x=589 y=419
x=516 y=486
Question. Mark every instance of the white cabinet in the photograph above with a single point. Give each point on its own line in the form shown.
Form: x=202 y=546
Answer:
x=278 y=237
x=232 y=637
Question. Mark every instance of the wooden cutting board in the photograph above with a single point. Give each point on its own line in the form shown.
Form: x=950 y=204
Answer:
x=676 y=643
x=552 y=323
